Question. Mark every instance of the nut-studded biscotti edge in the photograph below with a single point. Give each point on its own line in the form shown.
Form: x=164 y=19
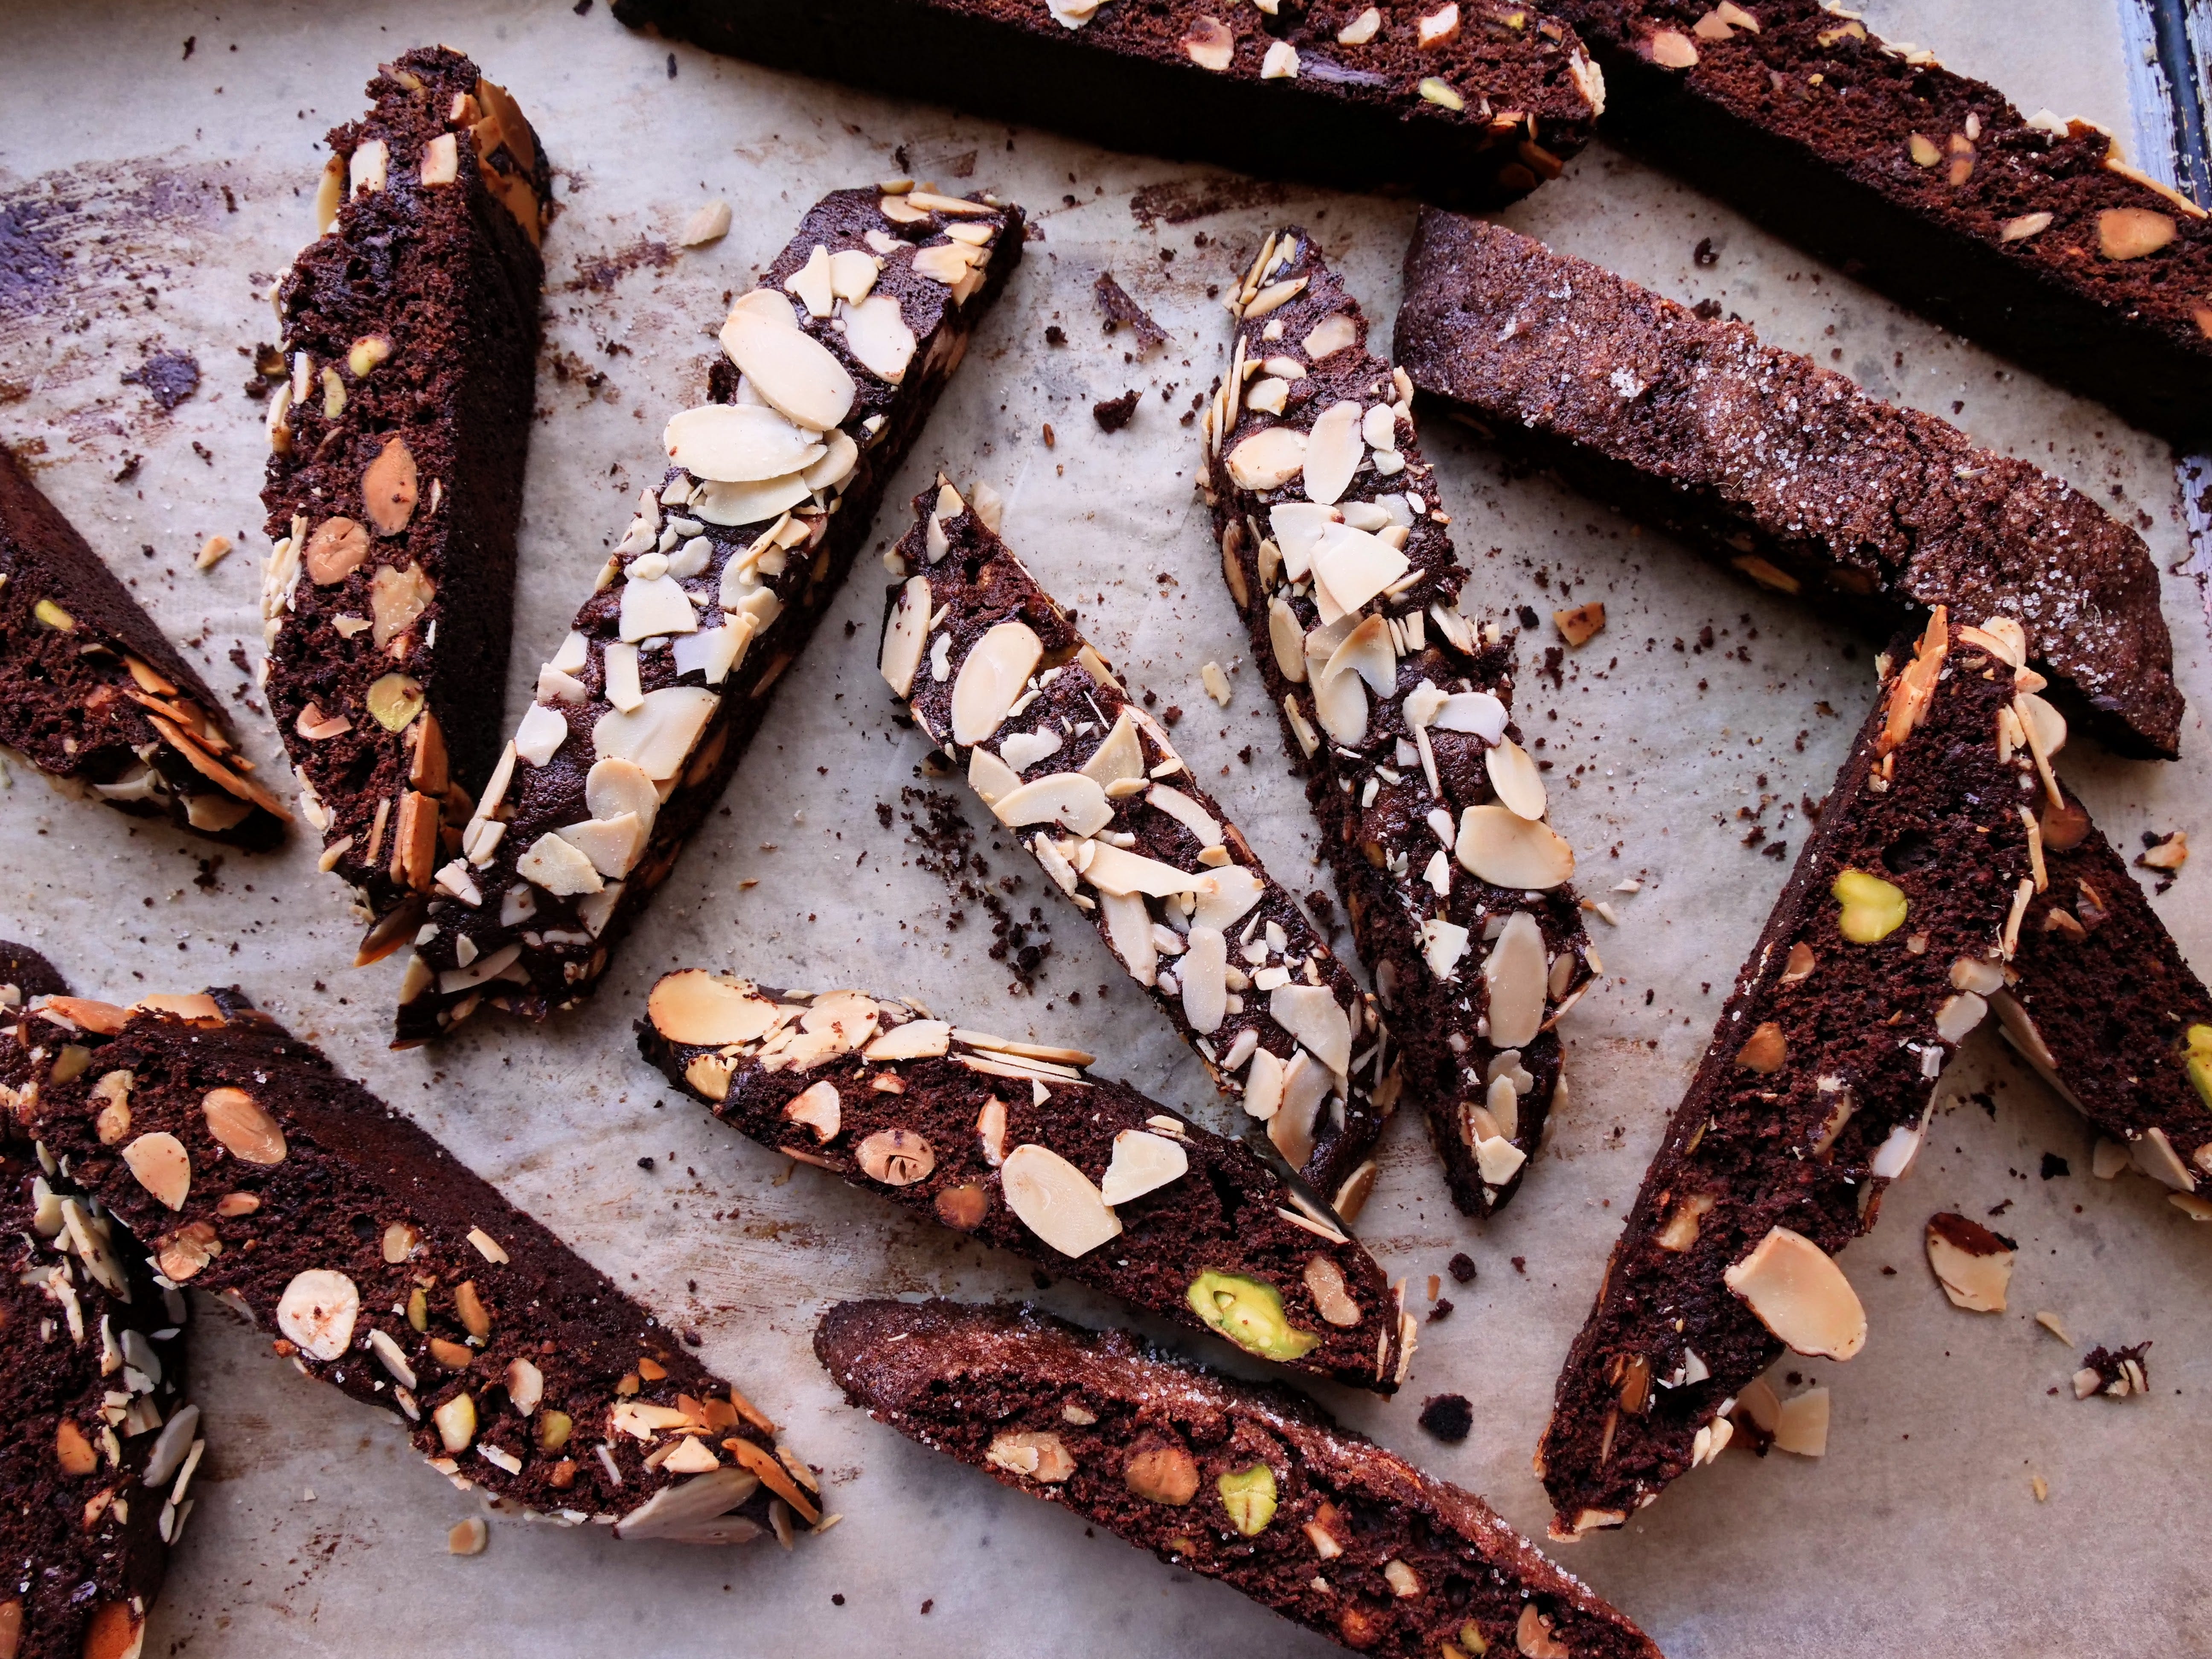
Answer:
x=997 y=675
x=1019 y=1144
x=1784 y=471
x=93 y=694
x=1905 y=906
x=1397 y=708
x=830 y=369
x=1250 y=1483
x=394 y=486
x=2027 y=232
x=101 y=1446
x=378 y=1263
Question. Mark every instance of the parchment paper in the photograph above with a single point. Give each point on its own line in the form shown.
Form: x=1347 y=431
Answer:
x=129 y=131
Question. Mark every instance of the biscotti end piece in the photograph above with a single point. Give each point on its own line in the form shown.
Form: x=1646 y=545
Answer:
x=996 y=675
x=394 y=487
x=1783 y=470
x=829 y=370
x=1896 y=928
x=376 y=1262
x=2028 y=233
x=1252 y=1484
x=1471 y=102
x=93 y=693
x=1397 y=708
x=1017 y=1144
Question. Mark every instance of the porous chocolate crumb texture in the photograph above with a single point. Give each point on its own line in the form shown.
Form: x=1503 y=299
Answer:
x=1474 y=104
x=2026 y=233
x=1017 y=1144
x=1397 y=709
x=1249 y=1484
x=828 y=371
x=376 y=1262
x=92 y=693
x=997 y=675
x=410 y=331
x=1783 y=470
x=1896 y=927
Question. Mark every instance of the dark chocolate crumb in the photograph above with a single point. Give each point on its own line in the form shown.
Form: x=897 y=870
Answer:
x=1054 y=334
x=169 y=377
x=1442 y=1311
x=1462 y=1267
x=1447 y=1416
x=1704 y=253
x=1115 y=413
x=1120 y=308
x=945 y=846
x=2055 y=1166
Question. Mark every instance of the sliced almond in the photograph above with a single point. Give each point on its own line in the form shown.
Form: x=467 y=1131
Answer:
x=1797 y=1292
x=1142 y=1162
x=1112 y=870
x=1513 y=774
x=1325 y=1284
x=658 y=736
x=1056 y=1201
x=338 y=547
x=1312 y=1015
x=237 y=1120
x=793 y=372
x=1971 y=1263
x=1515 y=975
x=1067 y=799
x=1765 y=1051
x=1268 y=459
x=1502 y=848
x=905 y=636
x=1801 y=1423
x=161 y=1166
x=896 y=1158
x=389 y=487
x=2131 y=232
x=1334 y=450
x=317 y=1312
x=876 y=332
x=696 y=1006
x=738 y=443
x=990 y=677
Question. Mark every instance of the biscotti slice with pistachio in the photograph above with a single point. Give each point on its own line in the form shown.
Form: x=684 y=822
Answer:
x=1250 y=1483
x=1894 y=930
x=2028 y=233
x=91 y=692
x=394 y=487
x=378 y=1263
x=1473 y=102
x=1786 y=472
x=996 y=675
x=829 y=370
x=1397 y=709
x=1019 y=1144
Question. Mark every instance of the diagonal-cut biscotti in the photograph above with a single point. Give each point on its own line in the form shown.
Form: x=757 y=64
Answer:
x=2108 y=1011
x=1472 y=103
x=1398 y=710
x=1252 y=1484
x=1019 y=1145
x=997 y=675
x=2028 y=233
x=395 y=477
x=91 y=692
x=1783 y=470
x=378 y=1264
x=829 y=370
x=1892 y=932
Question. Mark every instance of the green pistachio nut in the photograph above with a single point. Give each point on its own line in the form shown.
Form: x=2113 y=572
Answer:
x=1250 y=1314
x=1872 y=908
x=1249 y=1495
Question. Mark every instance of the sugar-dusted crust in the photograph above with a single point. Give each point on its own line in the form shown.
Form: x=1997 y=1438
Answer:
x=1784 y=470
x=91 y=692
x=395 y=475
x=1814 y=1092
x=1489 y=107
x=714 y=590
x=1220 y=945
x=935 y=1116
x=1351 y=1539
x=377 y=1263
x=1394 y=769
x=1930 y=186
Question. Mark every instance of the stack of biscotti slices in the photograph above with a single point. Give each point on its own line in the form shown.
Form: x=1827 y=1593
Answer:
x=830 y=369
x=1473 y=102
x=1017 y=1144
x=1783 y=470
x=1253 y=1485
x=996 y=674
x=93 y=693
x=1895 y=930
x=101 y=1447
x=395 y=474
x=2028 y=233
x=1397 y=708
x=252 y=1169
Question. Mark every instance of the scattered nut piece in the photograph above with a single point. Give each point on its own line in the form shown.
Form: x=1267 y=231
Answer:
x=1582 y=624
x=1799 y=1294
x=709 y=223
x=2169 y=855
x=212 y=552
x=1972 y=1264
x=468 y=1537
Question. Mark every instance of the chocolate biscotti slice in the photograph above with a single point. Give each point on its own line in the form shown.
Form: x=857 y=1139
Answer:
x=1784 y=470
x=1397 y=708
x=996 y=675
x=1471 y=102
x=1250 y=1483
x=830 y=369
x=93 y=693
x=2028 y=233
x=1892 y=932
x=395 y=474
x=1019 y=1145
x=254 y=1170
x=2108 y=1009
